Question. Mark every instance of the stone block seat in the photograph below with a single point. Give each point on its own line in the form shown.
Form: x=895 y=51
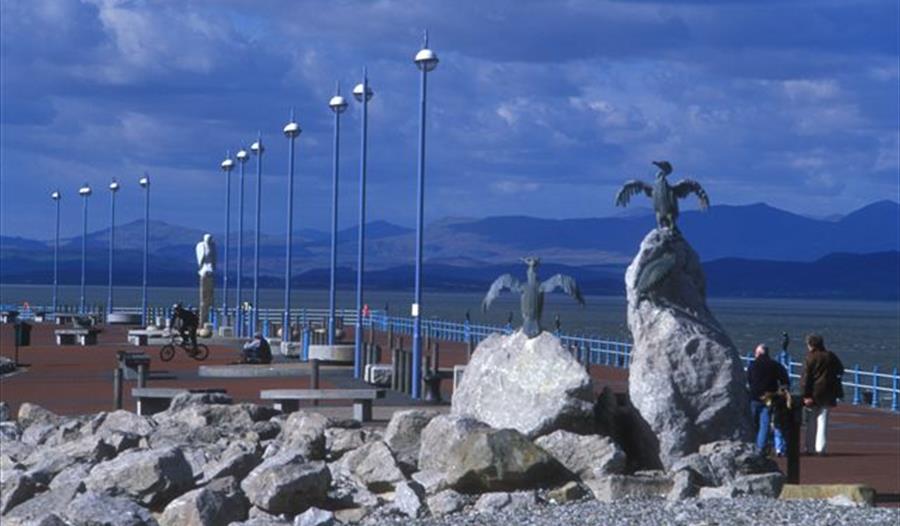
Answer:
x=289 y=399
x=143 y=337
x=77 y=336
x=151 y=400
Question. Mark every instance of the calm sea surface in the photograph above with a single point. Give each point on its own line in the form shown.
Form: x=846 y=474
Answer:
x=863 y=332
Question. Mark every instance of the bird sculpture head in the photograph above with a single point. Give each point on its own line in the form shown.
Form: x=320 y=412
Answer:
x=532 y=261
x=664 y=168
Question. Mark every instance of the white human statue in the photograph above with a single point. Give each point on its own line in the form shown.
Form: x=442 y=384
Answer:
x=206 y=263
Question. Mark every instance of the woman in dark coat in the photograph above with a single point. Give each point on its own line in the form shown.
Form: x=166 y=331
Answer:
x=821 y=387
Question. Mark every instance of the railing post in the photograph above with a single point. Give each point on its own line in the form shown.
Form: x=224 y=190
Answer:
x=894 y=382
x=856 y=394
x=117 y=388
x=395 y=369
x=304 y=352
x=314 y=376
x=141 y=375
x=875 y=386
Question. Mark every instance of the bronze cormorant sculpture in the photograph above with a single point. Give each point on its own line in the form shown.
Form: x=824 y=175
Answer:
x=532 y=292
x=665 y=197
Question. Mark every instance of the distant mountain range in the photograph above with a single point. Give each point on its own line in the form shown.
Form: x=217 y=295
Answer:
x=752 y=250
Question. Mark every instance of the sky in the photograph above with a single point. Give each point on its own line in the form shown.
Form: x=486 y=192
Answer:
x=536 y=108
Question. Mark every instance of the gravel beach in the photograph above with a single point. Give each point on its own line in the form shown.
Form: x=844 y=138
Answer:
x=691 y=512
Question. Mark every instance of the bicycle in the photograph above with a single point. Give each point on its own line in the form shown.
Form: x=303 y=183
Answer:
x=167 y=352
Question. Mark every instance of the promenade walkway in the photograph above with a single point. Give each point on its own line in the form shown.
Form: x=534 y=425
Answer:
x=864 y=443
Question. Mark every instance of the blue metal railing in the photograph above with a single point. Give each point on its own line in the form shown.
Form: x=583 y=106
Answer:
x=873 y=388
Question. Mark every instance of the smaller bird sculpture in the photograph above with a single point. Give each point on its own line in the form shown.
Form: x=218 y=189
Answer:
x=665 y=196
x=532 y=293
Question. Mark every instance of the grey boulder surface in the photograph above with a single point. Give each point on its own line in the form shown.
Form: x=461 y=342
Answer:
x=532 y=385
x=403 y=436
x=586 y=456
x=151 y=477
x=287 y=483
x=686 y=380
x=220 y=502
x=372 y=466
x=97 y=509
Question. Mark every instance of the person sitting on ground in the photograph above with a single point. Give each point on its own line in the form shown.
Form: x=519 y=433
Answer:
x=821 y=388
x=185 y=323
x=765 y=376
x=257 y=350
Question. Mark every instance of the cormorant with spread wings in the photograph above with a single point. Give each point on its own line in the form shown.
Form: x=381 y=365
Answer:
x=532 y=292
x=665 y=197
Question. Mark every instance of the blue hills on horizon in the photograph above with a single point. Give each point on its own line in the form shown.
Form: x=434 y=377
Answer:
x=749 y=250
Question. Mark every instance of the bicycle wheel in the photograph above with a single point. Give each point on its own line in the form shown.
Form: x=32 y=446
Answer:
x=200 y=353
x=167 y=352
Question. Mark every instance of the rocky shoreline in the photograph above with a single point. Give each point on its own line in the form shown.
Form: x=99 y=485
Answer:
x=207 y=461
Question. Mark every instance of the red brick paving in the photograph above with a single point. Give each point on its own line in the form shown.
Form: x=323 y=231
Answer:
x=864 y=443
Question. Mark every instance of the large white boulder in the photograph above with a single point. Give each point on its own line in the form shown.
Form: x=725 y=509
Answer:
x=532 y=385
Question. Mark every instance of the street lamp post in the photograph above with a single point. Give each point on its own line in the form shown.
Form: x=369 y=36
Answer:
x=85 y=192
x=145 y=184
x=338 y=105
x=291 y=131
x=257 y=149
x=227 y=165
x=426 y=60
x=113 y=188
x=56 y=196
x=242 y=156
x=362 y=93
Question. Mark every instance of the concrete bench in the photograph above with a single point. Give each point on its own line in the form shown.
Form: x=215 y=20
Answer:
x=289 y=399
x=129 y=361
x=152 y=400
x=143 y=337
x=248 y=370
x=76 y=336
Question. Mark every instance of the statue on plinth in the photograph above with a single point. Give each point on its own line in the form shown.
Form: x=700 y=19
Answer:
x=206 y=263
x=532 y=292
x=665 y=196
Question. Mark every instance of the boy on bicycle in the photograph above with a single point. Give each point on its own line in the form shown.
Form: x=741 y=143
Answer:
x=185 y=322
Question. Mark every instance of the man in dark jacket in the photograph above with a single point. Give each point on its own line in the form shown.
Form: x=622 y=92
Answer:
x=185 y=322
x=257 y=350
x=765 y=376
x=821 y=388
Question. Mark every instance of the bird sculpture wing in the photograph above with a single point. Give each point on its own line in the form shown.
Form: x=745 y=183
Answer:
x=631 y=188
x=688 y=186
x=504 y=282
x=566 y=283
x=655 y=272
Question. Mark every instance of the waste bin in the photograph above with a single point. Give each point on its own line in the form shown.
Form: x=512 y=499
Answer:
x=23 y=334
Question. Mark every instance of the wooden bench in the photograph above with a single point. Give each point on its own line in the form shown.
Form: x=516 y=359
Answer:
x=152 y=400
x=76 y=336
x=289 y=399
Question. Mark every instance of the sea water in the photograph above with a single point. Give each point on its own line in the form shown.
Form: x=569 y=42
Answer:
x=860 y=332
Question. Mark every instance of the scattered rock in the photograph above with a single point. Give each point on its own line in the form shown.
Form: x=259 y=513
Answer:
x=96 y=509
x=304 y=433
x=685 y=484
x=532 y=385
x=185 y=400
x=729 y=459
x=9 y=432
x=442 y=433
x=55 y=501
x=315 y=517
x=152 y=477
x=287 y=483
x=586 y=456
x=128 y=422
x=686 y=379
x=220 y=502
x=568 y=492
x=616 y=487
x=445 y=502
x=17 y=487
x=763 y=485
x=238 y=459
x=339 y=441
x=4 y=412
x=497 y=501
x=499 y=460
x=408 y=497
x=31 y=414
x=373 y=466
x=403 y=436
x=431 y=480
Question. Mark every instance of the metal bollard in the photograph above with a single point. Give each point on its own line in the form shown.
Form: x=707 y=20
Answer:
x=142 y=375
x=793 y=443
x=117 y=388
x=314 y=376
x=395 y=369
x=875 y=386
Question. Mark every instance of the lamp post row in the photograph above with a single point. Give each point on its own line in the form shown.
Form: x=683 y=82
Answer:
x=426 y=61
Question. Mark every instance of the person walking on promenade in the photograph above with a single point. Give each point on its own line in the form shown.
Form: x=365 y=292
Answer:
x=765 y=377
x=821 y=388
